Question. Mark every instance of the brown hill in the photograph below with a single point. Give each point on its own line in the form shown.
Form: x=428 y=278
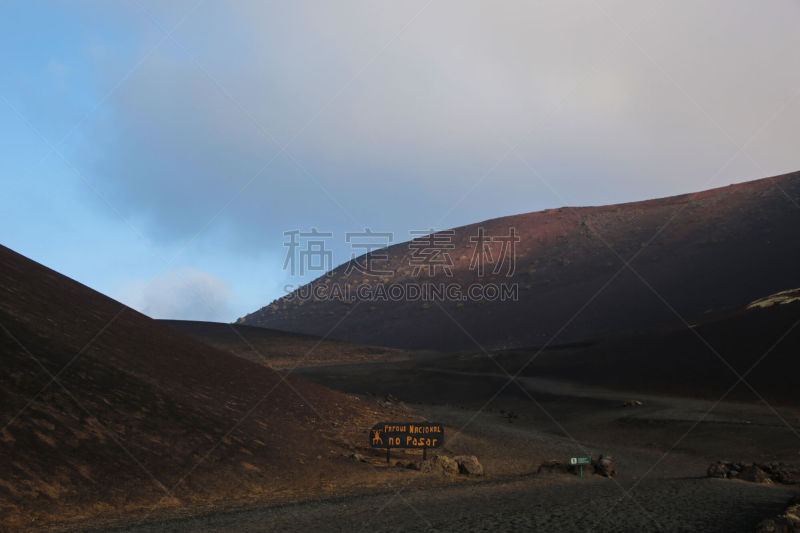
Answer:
x=106 y=412
x=692 y=254
x=281 y=349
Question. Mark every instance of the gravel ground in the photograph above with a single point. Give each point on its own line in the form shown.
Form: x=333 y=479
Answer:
x=662 y=449
x=536 y=503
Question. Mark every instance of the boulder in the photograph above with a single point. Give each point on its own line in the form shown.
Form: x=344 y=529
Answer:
x=786 y=474
x=718 y=469
x=755 y=474
x=469 y=465
x=440 y=463
x=606 y=466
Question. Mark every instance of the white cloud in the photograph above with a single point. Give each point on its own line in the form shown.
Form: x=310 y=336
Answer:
x=602 y=117
x=183 y=293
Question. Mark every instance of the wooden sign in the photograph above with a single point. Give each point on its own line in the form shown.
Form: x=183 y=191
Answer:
x=406 y=435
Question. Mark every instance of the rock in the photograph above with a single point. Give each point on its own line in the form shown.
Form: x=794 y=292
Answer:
x=447 y=464
x=755 y=474
x=440 y=463
x=357 y=457
x=718 y=469
x=786 y=474
x=606 y=466
x=469 y=465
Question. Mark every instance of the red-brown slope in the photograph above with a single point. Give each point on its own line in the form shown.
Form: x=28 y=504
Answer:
x=141 y=407
x=718 y=249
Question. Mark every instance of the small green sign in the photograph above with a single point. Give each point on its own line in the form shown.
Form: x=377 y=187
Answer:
x=580 y=461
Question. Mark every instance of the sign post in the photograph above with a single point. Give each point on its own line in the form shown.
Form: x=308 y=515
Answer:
x=580 y=461
x=417 y=435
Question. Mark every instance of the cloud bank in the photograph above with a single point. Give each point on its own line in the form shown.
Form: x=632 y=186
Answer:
x=404 y=115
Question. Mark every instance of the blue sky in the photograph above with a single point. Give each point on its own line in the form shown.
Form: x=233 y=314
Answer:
x=158 y=151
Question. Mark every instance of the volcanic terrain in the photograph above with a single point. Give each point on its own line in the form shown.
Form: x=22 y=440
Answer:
x=580 y=273
x=662 y=333
x=106 y=412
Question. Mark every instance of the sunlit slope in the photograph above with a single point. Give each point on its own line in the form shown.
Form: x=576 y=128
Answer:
x=690 y=255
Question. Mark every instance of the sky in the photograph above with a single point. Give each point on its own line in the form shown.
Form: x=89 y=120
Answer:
x=159 y=152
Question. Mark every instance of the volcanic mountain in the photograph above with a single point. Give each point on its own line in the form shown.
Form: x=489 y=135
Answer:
x=578 y=272
x=106 y=412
